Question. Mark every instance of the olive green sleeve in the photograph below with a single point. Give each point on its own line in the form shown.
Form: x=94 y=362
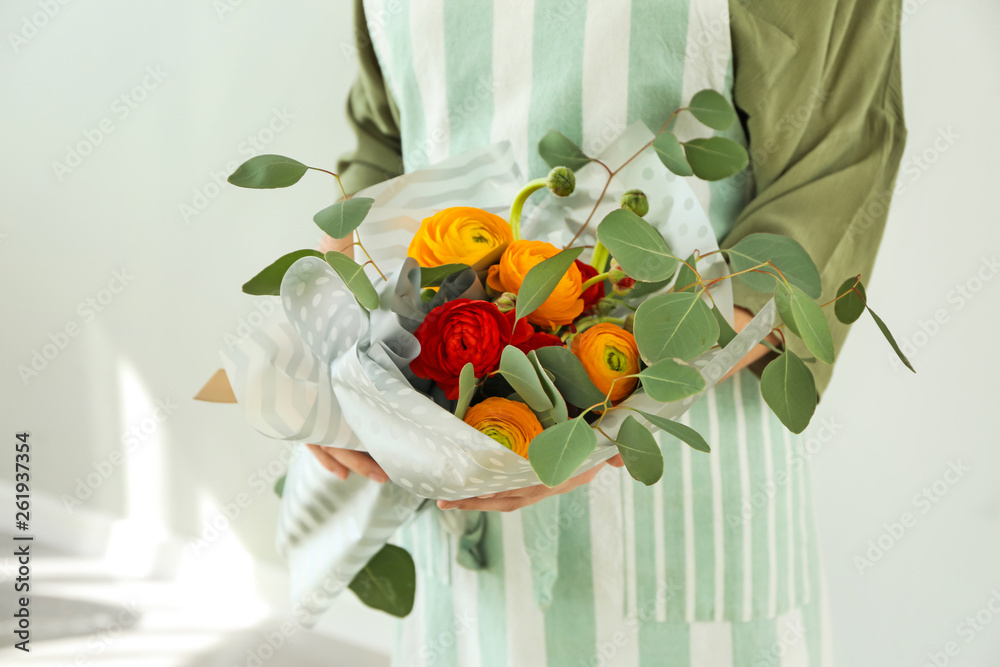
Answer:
x=819 y=91
x=373 y=117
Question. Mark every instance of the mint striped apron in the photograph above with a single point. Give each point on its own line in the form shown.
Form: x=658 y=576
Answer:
x=717 y=564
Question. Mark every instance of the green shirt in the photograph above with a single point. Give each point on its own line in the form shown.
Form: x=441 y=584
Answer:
x=819 y=91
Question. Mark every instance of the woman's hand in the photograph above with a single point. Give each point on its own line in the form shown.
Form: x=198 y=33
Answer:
x=508 y=501
x=342 y=461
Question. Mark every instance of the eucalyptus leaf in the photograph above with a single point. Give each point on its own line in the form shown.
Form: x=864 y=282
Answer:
x=789 y=389
x=785 y=253
x=466 y=389
x=279 y=486
x=570 y=377
x=268 y=281
x=558 y=451
x=541 y=279
x=520 y=373
x=558 y=151
x=712 y=109
x=783 y=300
x=558 y=412
x=669 y=150
x=667 y=381
x=685 y=434
x=892 y=341
x=355 y=279
x=687 y=281
x=811 y=325
x=726 y=331
x=435 y=275
x=267 y=172
x=637 y=245
x=388 y=582
x=341 y=219
x=715 y=158
x=640 y=452
x=850 y=307
x=674 y=325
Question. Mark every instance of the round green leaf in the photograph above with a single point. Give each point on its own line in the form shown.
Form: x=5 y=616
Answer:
x=558 y=151
x=789 y=389
x=669 y=150
x=849 y=308
x=712 y=109
x=388 y=582
x=685 y=434
x=784 y=252
x=715 y=158
x=268 y=171
x=541 y=279
x=341 y=219
x=557 y=452
x=355 y=279
x=570 y=377
x=268 y=281
x=637 y=245
x=667 y=381
x=520 y=373
x=640 y=452
x=675 y=325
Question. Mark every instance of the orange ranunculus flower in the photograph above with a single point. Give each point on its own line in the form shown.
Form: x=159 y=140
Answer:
x=607 y=353
x=562 y=306
x=458 y=235
x=510 y=423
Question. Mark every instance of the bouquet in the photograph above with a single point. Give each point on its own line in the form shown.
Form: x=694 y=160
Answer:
x=468 y=357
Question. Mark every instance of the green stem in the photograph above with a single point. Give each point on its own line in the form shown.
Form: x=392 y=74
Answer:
x=599 y=259
x=515 y=209
x=325 y=171
x=599 y=278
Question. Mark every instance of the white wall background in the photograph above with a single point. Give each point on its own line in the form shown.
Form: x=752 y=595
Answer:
x=76 y=76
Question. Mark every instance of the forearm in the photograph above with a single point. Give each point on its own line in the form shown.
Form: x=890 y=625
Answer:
x=741 y=318
x=328 y=244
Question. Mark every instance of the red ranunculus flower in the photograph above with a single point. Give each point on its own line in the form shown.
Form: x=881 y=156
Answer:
x=595 y=292
x=462 y=331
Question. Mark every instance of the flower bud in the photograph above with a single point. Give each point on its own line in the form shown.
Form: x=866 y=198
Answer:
x=506 y=302
x=605 y=307
x=621 y=283
x=636 y=201
x=629 y=324
x=561 y=181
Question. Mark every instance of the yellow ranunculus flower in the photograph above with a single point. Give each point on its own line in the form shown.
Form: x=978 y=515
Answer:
x=458 y=235
x=607 y=353
x=510 y=423
x=562 y=306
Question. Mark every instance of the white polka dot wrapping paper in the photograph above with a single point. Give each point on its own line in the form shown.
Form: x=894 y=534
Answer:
x=327 y=373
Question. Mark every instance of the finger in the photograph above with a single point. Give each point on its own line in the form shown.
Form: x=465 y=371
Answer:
x=328 y=461
x=616 y=461
x=361 y=463
x=508 y=504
